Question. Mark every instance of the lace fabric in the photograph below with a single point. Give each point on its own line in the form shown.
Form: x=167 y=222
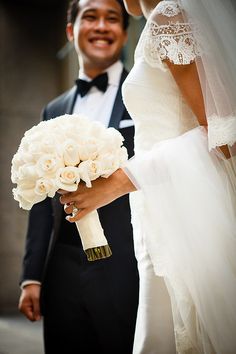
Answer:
x=168 y=8
x=222 y=131
x=174 y=42
x=172 y=35
x=168 y=36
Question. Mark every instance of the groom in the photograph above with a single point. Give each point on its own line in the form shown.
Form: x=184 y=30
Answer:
x=87 y=307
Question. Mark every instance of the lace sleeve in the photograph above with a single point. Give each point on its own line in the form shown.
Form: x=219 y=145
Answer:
x=221 y=131
x=169 y=37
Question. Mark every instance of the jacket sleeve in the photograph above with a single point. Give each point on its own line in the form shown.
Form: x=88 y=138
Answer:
x=39 y=230
x=38 y=236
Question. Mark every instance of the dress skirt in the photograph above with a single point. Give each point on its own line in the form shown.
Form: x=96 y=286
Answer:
x=184 y=220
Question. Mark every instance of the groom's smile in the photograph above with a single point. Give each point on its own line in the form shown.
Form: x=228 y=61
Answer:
x=98 y=32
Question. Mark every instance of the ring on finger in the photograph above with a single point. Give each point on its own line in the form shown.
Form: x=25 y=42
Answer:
x=75 y=211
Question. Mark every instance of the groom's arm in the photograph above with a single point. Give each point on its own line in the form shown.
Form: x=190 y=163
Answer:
x=38 y=235
x=40 y=224
x=37 y=243
x=29 y=302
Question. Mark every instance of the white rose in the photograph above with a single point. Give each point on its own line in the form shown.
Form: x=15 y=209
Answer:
x=33 y=137
x=16 y=163
x=17 y=160
x=67 y=178
x=14 y=175
x=123 y=155
x=109 y=164
x=27 y=172
x=48 y=164
x=28 y=157
x=45 y=146
x=89 y=171
x=70 y=126
x=113 y=138
x=22 y=202
x=22 y=156
x=70 y=153
x=80 y=121
x=24 y=144
x=89 y=149
x=97 y=130
x=45 y=187
x=25 y=192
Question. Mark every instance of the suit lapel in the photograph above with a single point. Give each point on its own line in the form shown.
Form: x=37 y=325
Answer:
x=68 y=104
x=118 y=108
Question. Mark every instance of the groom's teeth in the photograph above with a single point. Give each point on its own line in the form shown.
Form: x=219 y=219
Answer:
x=101 y=41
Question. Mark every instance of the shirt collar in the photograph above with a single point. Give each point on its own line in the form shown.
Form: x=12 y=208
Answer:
x=114 y=72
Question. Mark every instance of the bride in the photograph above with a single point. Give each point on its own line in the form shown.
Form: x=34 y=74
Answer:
x=181 y=94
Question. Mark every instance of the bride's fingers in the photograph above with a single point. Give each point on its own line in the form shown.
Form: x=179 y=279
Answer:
x=77 y=216
x=68 y=208
x=71 y=208
x=67 y=199
x=74 y=196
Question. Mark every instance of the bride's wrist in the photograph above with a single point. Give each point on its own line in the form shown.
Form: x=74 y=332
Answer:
x=122 y=183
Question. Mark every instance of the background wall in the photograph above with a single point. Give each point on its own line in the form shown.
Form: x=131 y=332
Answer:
x=36 y=65
x=30 y=75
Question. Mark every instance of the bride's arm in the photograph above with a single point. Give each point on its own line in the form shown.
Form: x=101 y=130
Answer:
x=187 y=79
x=103 y=191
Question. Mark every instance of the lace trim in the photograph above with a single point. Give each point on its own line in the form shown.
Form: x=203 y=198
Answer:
x=174 y=41
x=168 y=8
x=221 y=131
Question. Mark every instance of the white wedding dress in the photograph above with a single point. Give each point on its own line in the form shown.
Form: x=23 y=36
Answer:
x=183 y=213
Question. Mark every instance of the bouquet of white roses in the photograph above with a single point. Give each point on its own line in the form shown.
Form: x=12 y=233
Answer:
x=58 y=154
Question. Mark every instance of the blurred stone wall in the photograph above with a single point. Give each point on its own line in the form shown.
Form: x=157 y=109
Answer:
x=31 y=33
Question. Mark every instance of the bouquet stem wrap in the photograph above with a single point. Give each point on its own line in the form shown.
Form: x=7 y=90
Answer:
x=92 y=237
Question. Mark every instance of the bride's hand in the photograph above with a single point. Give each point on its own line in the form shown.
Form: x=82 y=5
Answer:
x=103 y=192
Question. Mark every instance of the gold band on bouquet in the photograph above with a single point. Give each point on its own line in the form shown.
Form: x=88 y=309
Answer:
x=92 y=237
x=96 y=253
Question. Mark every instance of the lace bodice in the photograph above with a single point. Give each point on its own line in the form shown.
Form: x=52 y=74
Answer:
x=150 y=92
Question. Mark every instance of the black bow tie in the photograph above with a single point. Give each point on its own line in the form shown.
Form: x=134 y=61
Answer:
x=101 y=82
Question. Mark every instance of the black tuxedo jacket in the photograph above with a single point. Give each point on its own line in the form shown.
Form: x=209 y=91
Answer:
x=45 y=217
